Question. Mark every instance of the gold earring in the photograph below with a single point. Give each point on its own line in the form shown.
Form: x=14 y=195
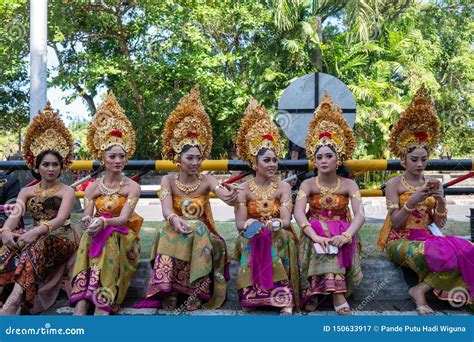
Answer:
x=36 y=170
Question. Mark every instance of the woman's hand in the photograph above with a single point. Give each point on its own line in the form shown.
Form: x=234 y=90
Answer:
x=180 y=225
x=29 y=237
x=323 y=241
x=418 y=196
x=8 y=239
x=338 y=240
x=230 y=197
x=85 y=221
x=438 y=194
x=95 y=226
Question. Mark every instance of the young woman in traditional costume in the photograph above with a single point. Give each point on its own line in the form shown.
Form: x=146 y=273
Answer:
x=415 y=203
x=189 y=257
x=329 y=248
x=35 y=263
x=109 y=252
x=268 y=272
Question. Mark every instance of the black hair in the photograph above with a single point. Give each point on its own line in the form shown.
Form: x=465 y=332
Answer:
x=411 y=149
x=110 y=147
x=39 y=159
x=186 y=148
x=341 y=170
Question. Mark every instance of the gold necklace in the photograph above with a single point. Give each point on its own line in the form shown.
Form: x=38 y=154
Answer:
x=265 y=196
x=327 y=195
x=44 y=194
x=409 y=187
x=108 y=191
x=187 y=188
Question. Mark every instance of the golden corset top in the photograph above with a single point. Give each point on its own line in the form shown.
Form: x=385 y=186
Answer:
x=332 y=207
x=42 y=210
x=191 y=207
x=421 y=217
x=111 y=205
x=258 y=212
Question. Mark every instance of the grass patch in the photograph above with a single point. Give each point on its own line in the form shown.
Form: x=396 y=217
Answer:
x=369 y=235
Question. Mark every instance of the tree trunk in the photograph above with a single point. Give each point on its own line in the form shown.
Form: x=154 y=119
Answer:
x=318 y=58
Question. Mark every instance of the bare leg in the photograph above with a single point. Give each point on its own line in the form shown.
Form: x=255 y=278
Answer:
x=81 y=308
x=12 y=304
x=417 y=293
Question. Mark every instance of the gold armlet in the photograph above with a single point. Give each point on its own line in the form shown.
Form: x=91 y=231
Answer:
x=357 y=195
x=288 y=204
x=392 y=205
x=163 y=193
x=407 y=209
x=301 y=194
x=4 y=229
x=133 y=202
x=441 y=214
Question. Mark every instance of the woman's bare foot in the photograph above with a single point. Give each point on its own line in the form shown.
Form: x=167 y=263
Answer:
x=417 y=294
x=193 y=304
x=288 y=311
x=340 y=304
x=81 y=308
x=311 y=305
x=170 y=301
x=100 y=312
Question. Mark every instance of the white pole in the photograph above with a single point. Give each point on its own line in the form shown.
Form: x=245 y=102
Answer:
x=38 y=55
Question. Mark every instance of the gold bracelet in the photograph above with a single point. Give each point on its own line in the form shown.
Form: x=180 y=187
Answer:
x=241 y=205
x=104 y=222
x=170 y=217
x=4 y=229
x=347 y=236
x=48 y=225
x=441 y=214
x=408 y=210
x=304 y=225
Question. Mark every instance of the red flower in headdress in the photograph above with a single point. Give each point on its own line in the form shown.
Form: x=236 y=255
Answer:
x=421 y=136
x=116 y=133
x=325 y=134
x=267 y=137
x=192 y=134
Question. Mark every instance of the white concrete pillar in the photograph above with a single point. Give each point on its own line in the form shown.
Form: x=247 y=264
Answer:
x=38 y=55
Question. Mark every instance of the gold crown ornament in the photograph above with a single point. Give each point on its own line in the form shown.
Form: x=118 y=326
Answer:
x=257 y=131
x=188 y=124
x=110 y=127
x=47 y=132
x=418 y=126
x=329 y=128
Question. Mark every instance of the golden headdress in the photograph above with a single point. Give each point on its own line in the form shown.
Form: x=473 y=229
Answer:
x=188 y=124
x=47 y=132
x=257 y=131
x=328 y=127
x=418 y=126
x=109 y=127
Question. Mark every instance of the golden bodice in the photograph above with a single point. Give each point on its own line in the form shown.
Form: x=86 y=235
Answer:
x=422 y=216
x=43 y=209
x=332 y=207
x=111 y=205
x=258 y=211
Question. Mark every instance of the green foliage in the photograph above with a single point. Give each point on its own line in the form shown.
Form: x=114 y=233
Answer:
x=150 y=53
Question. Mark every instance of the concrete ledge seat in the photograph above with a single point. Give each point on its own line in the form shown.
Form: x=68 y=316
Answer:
x=383 y=280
